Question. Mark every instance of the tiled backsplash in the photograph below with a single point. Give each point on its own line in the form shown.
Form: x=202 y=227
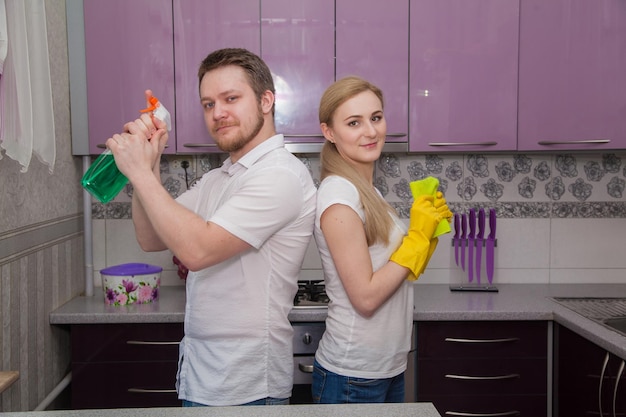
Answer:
x=551 y=209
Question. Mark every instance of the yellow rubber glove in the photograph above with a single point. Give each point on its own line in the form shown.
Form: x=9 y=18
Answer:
x=442 y=207
x=415 y=250
x=428 y=186
x=431 y=250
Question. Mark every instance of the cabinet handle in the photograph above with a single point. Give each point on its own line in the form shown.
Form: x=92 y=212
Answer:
x=305 y=368
x=319 y=135
x=200 y=145
x=143 y=342
x=606 y=361
x=505 y=340
x=487 y=143
x=459 y=413
x=620 y=371
x=304 y=135
x=151 y=391
x=103 y=146
x=573 y=142
x=483 y=378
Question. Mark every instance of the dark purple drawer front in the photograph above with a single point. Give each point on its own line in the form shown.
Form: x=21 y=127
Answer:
x=481 y=376
x=123 y=385
x=488 y=339
x=486 y=405
x=125 y=342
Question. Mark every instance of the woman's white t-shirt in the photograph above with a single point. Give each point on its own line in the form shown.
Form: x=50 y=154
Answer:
x=352 y=345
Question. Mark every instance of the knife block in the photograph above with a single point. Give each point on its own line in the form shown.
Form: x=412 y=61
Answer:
x=474 y=286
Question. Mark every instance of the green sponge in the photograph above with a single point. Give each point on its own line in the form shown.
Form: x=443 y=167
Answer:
x=428 y=186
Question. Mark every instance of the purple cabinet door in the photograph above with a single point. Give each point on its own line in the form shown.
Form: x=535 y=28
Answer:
x=128 y=49
x=200 y=28
x=298 y=44
x=572 y=82
x=373 y=43
x=463 y=75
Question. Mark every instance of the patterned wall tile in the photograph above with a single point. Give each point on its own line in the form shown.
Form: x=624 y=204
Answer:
x=538 y=185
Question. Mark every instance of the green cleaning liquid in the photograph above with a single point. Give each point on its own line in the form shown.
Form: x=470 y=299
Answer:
x=103 y=180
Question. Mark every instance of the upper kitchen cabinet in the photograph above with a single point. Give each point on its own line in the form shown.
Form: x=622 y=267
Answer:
x=298 y=44
x=572 y=83
x=201 y=27
x=128 y=49
x=463 y=75
x=373 y=43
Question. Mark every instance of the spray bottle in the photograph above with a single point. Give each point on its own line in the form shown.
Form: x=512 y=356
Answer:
x=103 y=179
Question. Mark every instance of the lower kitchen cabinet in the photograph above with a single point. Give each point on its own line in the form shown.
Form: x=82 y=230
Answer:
x=589 y=381
x=125 y=365
x=483 y=367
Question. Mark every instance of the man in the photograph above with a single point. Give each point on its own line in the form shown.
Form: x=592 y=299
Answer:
x=242 y=231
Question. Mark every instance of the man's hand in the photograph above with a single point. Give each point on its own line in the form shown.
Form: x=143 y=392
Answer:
x=139 y=147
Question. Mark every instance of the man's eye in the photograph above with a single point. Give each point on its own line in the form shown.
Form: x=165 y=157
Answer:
x=208 y=105
x=232 y=98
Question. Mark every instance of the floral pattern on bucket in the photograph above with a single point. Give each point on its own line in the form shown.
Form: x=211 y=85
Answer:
x=131 y=292
x=132 y=283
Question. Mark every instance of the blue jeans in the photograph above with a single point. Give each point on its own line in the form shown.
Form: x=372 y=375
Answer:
x=262 y=401
x=331 y=388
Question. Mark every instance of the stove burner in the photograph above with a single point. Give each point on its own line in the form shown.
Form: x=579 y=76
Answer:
x=311 y=294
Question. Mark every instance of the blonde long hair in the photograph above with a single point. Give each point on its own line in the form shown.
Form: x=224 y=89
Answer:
x=378 y=222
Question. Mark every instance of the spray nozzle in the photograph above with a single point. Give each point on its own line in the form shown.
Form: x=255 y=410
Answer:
x=159 y=111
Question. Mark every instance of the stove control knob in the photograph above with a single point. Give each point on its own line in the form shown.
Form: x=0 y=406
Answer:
x=307 y=339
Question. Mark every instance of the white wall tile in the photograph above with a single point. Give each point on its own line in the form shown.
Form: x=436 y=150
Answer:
x=588 y=243
x=99 y=246
x=523 y=243
x=312 y=257
x=122 y=247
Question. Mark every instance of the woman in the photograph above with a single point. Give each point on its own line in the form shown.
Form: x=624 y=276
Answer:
x=363 y=353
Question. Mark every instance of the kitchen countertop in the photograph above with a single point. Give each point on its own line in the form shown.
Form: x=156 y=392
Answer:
x=343 y=410
x=433 y=302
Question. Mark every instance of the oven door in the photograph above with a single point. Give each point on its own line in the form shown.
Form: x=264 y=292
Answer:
x=305 y=340
x=302 y=375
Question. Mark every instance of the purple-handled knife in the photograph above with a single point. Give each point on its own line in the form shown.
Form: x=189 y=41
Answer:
x=455 y=238
x=480 y=238
x=470 y=242
x=491 y=244
x=463 y=239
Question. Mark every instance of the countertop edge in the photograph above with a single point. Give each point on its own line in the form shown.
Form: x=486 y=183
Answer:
x=433 y=302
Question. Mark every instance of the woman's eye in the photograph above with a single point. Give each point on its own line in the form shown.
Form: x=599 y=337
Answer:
x=377 y=118
x=353 y=123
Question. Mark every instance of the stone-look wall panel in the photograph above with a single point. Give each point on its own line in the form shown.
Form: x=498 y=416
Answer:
x=31 y=287
x=40 y=268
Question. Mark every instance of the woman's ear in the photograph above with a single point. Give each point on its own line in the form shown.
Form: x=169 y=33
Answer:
x=327 y=132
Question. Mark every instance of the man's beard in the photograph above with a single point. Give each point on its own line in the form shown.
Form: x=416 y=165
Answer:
x=237 y=143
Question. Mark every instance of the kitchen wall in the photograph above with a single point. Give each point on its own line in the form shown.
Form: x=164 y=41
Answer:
x=561 y=216
x=41 y=247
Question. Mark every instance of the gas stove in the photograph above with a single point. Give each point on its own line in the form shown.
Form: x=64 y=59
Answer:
x=311 y=294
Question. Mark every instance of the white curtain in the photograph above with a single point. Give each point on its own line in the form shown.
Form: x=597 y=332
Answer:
x=26 y=113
